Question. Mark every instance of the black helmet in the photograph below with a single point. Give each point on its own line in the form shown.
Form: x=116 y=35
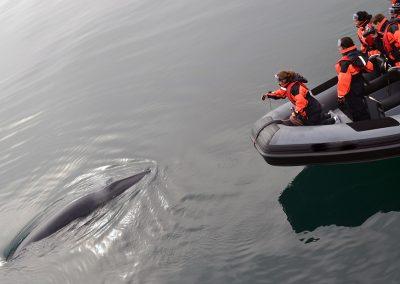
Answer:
x=345 y=42
x=361 y=16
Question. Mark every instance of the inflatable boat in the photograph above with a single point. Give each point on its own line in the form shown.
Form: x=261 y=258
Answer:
x=343 y=142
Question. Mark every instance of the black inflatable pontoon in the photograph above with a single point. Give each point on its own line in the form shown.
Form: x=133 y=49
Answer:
x=343 y=142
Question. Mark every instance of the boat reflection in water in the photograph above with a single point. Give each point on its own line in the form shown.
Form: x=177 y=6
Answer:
x=343 y=195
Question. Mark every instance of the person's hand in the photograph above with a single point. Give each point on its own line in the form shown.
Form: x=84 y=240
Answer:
x=296 y=115
x=266 y=95
x=296 y=118
x=369 y=31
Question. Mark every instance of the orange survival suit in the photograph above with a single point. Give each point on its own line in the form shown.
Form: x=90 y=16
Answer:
x=307 y=108
x=350 y=87
x=391 y=41
x=380 y=31
x=368 y=45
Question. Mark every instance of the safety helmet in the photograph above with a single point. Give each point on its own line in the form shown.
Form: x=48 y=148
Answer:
x=361 y=16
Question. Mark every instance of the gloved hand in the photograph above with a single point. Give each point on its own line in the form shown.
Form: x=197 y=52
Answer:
x=296 y=118
x=341 y=101
x=296 y=115
x=267 y=95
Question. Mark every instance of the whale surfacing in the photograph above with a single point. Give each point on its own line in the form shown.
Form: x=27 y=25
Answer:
x=79 y=208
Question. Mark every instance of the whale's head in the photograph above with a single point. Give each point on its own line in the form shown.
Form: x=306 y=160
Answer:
x=118 y=187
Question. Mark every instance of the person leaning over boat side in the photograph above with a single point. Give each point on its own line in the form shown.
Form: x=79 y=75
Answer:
x=350 y=86
x=307 y=110
x=391 y=36
x=362 y=21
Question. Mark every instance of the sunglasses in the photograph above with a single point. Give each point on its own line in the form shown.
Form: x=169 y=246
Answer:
x=278 y=79
x=393 y=11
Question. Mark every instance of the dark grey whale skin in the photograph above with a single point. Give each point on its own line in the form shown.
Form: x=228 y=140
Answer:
x=79 y=208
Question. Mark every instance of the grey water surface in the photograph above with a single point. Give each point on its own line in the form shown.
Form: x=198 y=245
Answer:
x=95 y=91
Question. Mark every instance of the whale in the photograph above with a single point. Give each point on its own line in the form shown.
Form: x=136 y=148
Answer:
x=77 y=209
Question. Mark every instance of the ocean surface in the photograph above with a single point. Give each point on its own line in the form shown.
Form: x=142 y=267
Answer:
x=95 y=91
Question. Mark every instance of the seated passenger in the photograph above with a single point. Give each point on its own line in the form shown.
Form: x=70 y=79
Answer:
x=391 y=36
x=380 y=23
x=350 y=87
x=362 y=20
x=307 y=110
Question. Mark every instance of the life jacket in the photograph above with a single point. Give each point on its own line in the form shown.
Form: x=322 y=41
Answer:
x=381 y=26
x=352 y=79
x=306 y=105
x=365 y=65
x=289 y=94
x=380 y=30
x=368 y=42
x=392 y=48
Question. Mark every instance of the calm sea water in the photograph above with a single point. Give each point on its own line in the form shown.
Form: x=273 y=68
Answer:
x=93 y=91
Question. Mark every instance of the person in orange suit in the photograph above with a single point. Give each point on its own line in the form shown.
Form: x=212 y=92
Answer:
x=307 y=110
x=391 y=36
x=379 y=23
x=362 y=21
x=350 y=86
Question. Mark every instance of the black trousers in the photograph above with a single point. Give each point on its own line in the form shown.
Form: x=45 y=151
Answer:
x=314 y=112
x=357 y=107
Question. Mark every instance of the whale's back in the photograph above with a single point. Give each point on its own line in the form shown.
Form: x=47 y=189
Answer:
x=79 y=208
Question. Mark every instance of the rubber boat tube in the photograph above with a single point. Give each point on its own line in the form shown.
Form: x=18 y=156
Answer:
x=343 y=142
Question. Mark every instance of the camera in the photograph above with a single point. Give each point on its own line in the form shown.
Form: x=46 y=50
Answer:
x=369 y=31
